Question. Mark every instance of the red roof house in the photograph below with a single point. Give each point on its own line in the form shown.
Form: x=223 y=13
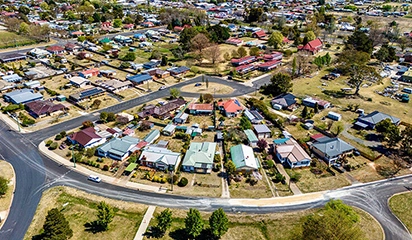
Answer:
x=147 y=24
x=178 y=29
x=77 y=33
x=245 y=68
x=243 y=60
x=231 y=107
x=273 y=56
x=259 y=34
x=55 y=49
x=267 y=66
x=128 y=26
x=234 y=41
x=89 y=73
x=86 y=138
x=313 y=46
x=200 y=108
x=43 y=108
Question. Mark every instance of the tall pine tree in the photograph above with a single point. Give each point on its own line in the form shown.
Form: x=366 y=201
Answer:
x=56 y=226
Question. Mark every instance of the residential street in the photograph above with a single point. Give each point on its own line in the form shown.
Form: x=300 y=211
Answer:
x=36 y=173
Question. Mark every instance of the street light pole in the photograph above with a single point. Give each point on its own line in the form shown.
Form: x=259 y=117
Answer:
x=73 y=158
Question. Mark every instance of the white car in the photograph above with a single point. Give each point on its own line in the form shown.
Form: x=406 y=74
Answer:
x=94 y=178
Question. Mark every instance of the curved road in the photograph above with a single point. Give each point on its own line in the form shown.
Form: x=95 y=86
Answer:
x=36 y=173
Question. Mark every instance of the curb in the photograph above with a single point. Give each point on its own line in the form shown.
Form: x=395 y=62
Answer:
x=380 y=225
x=12 y=195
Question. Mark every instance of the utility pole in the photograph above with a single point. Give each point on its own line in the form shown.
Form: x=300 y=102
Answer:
x=74 y=159
x=171 y=182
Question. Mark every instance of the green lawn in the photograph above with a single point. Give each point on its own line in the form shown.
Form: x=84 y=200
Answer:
x=80 y=208
x=9 y=39
x=275 y=226
x=401 y=207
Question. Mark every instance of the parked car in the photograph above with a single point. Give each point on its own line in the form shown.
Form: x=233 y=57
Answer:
x=94 y=178
x=162 y=87
x=198 y=84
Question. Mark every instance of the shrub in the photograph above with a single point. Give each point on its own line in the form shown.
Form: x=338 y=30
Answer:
x=327 y=45
x=53 y=146
x=183 y=182
x=105 y=168
x=48 y=143
x=58 y=137
x=98 y=165
x=68 y=154
x=63 y=134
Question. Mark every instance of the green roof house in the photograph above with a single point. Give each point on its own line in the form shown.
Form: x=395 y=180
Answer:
x=251 y=137
x=199 y=157
x=118 y=148
x=244 y=158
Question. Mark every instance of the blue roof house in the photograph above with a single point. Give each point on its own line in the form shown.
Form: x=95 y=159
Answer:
x=139 y=78
x=22 y=96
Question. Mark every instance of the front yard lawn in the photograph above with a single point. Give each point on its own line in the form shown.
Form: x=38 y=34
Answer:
x=401 y=206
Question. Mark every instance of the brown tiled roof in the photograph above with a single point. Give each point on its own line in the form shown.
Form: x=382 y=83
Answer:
x=84 y=136
x=44 y=107
x=201 y=106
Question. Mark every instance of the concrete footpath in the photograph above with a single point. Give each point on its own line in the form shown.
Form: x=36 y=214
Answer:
x=145 y=223
x=12 y=123
x=85 y=171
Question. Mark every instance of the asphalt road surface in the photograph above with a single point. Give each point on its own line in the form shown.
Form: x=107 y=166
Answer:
x=36 y=173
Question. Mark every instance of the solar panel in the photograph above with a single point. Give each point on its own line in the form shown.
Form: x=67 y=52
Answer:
x=237 y=102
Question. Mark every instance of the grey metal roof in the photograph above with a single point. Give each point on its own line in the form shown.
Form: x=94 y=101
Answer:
x=333 y=146
x=23 y=96
x=375 y=117
x=261 y=128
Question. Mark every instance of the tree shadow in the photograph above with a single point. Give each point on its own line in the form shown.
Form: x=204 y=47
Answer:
x=335 y=93
x=37 y=237
x=93 y=227
x=154 y=232
x=178 y=234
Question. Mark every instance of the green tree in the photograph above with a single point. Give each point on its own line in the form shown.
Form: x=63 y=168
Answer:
x=103 y=116
x=230 y=167
x=164 y=221
x=406 y=144
x=310 y=35
x=111 y=117
x=218 y=223
x=275 y=39
x=392 y=134
x=245 y=123
x=105 y=215
x=294 y=66
x=56 y=226
x=305 y=112
x=360 y=74
x=117 y=23
x=242 y=52
x=218 y=34
x=207 y=82
x=4 y=186
x=279 y=83
x=327 y=59
x=360 y=42
x=254 y=51
x=24 y=28
x=335 y=221
x=348 y=58
x=255 y=15
x=174 y=93
x=130 y=56
x=201 y=98
x=193 y=223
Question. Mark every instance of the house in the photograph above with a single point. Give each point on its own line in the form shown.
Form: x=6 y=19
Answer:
x=259 y=34
x=243 y=69
x=147 y=24
x=194 y=130
x=163 y=111
x=12 y=57
x=243 y=61
x=159 y=73
x=311 y=102
x=106 y=26
x=313 y=46
x=262 y=131
x=33 y=85
x=93 y=72
x=244 y=158
x=181 y=118
x=159 y=158
x=169 y=130
x=84 y=55
x=77 y=33
x=71 y=47
x=79 y=82
x=234 y=41
x=115 y=86
x=139 y=79
x=251 y=137
x=334 y=116
x=128 y=26
x=284 y=101
x=199 y=157
x=86 y=94
x=231 y=107
x=127 y=116
x=200 y=108
x=178 y=29
x=55 y=49
x=178 y=71
x=39 y=53
x=331 y=149
x=108 y=73
x=152 y=136
x=267 y=66
x=86 y=138
x=39 y=108
x=118 y=148
x=290 y=152
x=22 y=96
x=254 y=116
x=140 y=36
x=12 y=78
x=369 y=121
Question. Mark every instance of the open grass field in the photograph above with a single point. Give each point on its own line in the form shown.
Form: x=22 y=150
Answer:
x=9 y=39
x=81 y=208
x=214 y=88
x=401 y=206
x=245 y=190
x=264 y=226
x=309 y=182
x=6 y=171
